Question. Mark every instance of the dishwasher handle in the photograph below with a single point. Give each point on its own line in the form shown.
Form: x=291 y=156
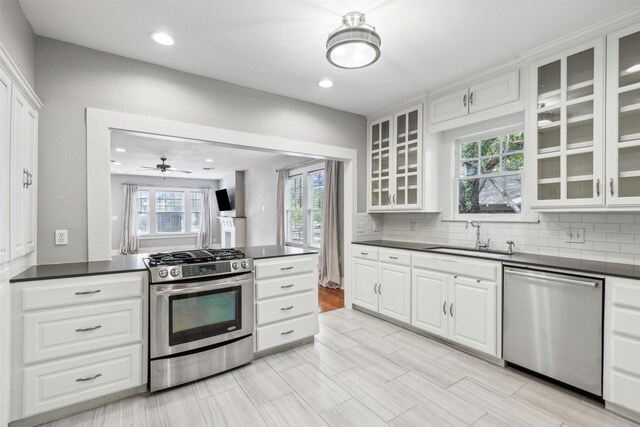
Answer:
x=554 y=279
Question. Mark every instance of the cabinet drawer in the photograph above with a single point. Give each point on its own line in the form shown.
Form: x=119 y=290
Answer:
x=59 y=292
x=285 y=285
x=626 y=355
x=366 y=252
x=284 y=266
x=277 y=309
x=53 y=385
x=460 y=266
x=285 y=332
x=625 y=391
x=626 y=292
x=395 y=257
x=68 y=331
x=626 y=321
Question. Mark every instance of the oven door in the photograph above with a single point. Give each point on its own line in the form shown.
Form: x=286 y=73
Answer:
x=189 y=315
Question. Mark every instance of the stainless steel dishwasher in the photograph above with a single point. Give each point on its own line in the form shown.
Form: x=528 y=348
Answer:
x=552 y=324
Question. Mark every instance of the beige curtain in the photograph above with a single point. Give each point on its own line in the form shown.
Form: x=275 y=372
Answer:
x=203 y=241
x=280 y=195
x=330 y=250
x=129 y=234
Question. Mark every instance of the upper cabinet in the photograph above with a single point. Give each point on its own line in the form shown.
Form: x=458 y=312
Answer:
x=399 y=164
x=623 y=117
x=566 y=110
x=5 y=166
x=474 y=98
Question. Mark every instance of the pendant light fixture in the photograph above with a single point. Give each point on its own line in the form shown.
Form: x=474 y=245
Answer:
x=355 y=44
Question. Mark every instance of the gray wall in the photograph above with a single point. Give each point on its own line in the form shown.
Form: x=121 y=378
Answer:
x=168 y=244
x=17 y=37
x=70 y=78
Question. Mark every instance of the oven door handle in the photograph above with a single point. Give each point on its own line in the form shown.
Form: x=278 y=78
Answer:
x=192 y=289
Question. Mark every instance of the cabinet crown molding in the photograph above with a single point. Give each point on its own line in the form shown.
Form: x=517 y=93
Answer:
x=18 y=78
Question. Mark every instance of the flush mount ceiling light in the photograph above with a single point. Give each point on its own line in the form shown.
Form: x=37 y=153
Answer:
x=355 y=44
x=325 y=83
x=163 y=38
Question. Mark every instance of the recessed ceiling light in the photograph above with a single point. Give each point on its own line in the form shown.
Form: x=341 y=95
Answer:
x=163 y=38
x=121 y=150
x=209 y=160
x=325 y=83
x=633 y=68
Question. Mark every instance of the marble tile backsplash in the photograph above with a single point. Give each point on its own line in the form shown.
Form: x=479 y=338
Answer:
x=611 y=237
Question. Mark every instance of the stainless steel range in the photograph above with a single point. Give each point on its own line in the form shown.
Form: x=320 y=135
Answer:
x=200 y=314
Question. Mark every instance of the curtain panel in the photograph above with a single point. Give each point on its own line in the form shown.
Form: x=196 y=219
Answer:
x=330 y=250
x=280 y=200
x=129 y=236
x=203 y=240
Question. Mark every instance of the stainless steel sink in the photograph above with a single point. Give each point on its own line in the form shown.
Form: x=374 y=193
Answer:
x=466 y=251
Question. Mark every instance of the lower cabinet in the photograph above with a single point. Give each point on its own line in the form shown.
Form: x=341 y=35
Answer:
x=383 y=287
x=430 y=297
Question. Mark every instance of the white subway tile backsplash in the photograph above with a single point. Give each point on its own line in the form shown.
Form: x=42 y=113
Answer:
x=607 y=228
x=618 y=218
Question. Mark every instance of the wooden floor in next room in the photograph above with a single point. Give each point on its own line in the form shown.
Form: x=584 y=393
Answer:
x=330 y=299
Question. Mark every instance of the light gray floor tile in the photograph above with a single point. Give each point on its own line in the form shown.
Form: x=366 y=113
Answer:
x=382 y=345
x=378 y=326
x=373 y=363
x=323 y=358
x=426 y=346
x=174 y=407
x=419 y=416
x=284 y=360
x=317 y=389
x=445 y=404
x=351 y=413
x=483 y=372
x=334 y=339
x=213 y=385
x=437 y=373
x=504 y=408
x=386 y=400
x=338 y=323
x=290 y=410
x=489 y=420
x=261 y=386
x=229 y=409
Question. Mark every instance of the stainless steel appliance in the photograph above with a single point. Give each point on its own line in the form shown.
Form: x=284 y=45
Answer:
x=200 y=315
x=552 y=325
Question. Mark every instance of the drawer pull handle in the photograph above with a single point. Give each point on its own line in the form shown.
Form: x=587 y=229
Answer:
x=88 y=292
x=287 y=268
x=81 y=380
x=287 y=286
x=393 y=257
x=286 y=308
x=364 y=253
x=287 y=333
x=89 y=329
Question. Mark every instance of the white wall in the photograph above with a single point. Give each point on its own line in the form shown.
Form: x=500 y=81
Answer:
x=154 y=244
x=70 y=78
x=17 y=37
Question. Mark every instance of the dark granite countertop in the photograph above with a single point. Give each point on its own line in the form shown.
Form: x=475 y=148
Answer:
x=578 y=265
x=130 y=263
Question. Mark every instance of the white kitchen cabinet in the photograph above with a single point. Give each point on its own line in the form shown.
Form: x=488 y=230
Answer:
x=383 y=286
x=379 y=151
x=621 y=366
x=5 y=166
x=566 y=109
x=430 y=292
x=623 y=118
x=474 y=98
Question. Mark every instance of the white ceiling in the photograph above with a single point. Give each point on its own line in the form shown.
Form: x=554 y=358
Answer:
x=279 y=46
x=146 y=150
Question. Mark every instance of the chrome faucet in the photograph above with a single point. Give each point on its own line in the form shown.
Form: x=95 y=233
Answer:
x=479 y=245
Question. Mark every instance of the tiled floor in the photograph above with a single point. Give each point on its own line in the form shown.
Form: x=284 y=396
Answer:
x=361 y=371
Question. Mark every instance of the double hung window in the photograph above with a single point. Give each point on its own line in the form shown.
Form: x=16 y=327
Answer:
x=168 y=211
x=303 y=206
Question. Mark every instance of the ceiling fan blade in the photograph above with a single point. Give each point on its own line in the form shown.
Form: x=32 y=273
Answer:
x=148 y=167
x=179 y=170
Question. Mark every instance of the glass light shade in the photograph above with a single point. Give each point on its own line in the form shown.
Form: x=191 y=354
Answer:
x=354 y=54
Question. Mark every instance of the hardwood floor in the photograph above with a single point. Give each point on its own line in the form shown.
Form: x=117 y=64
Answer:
x=360 y=371
x=330 y=299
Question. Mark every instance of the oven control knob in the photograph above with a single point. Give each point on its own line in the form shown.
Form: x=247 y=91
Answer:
x=244 y=264
x=163 y=273
x=234 y=265
x=175 y=272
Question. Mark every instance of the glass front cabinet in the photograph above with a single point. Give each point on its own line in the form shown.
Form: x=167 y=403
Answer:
x=395 y=162
x=566 y=119
x=623 y=117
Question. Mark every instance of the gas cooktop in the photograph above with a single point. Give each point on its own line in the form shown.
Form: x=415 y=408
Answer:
x=194 y=256
x=183 y=265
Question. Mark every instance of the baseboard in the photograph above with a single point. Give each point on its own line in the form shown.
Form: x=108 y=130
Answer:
x=627 y=413
x=288 y=346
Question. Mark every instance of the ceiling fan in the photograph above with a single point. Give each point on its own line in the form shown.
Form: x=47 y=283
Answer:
x=163 y=167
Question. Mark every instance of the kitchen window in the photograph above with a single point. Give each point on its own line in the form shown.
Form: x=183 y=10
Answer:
x=169 y=211
x=489 y=174
x=303 y=209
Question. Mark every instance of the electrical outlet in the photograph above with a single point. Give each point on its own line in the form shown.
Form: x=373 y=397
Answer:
x=62 y=237
x=574 y=235
x=360 y=228
x=376 y=226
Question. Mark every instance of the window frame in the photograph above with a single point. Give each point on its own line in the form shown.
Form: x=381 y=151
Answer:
x=153 y=232
x=523 y=216
x=307 y=209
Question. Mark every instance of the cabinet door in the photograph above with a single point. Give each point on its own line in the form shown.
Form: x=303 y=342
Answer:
x=407 y=149
x=567 y=96
x=18 y=174
x=5 y=167
x=623 y=117
x=394 y=292
x=365 y=278
x=492 y=93
x=30 y=163
x=429 y=306
x=472 y=314
x=379 y=164
x=449 y=106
